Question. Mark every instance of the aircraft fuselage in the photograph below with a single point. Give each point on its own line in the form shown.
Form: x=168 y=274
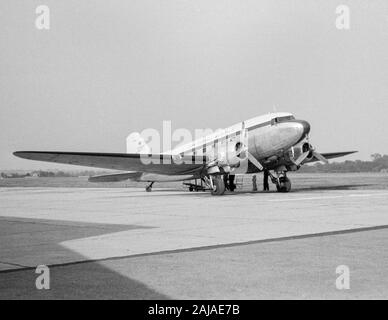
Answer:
x=273 y=139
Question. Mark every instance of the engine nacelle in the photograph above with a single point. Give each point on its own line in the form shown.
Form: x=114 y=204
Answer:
x=307 y=147
x=299 y=149
x=233 y=155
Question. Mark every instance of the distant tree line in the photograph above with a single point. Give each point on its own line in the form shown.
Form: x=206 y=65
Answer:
x=378 y=163
x=51 y=174
x=66 y=174
x=14 y=175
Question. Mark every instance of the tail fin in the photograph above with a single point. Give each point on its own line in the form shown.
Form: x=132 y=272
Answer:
x=136 y=144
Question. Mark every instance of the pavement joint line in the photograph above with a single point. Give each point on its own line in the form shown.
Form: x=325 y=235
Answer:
x=202 y=248
x=13 y=264
x=330 y=197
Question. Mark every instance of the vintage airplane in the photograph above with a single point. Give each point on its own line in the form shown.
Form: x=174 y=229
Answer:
x=274 y=141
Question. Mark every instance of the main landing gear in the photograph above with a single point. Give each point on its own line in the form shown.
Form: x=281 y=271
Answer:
x=216 y=184
x=149 y=187
x=218 y=188
x=220 y=183
x=282 y=182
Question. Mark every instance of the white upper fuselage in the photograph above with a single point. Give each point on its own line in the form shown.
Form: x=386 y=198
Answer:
x=266 y=136
x=221 y=134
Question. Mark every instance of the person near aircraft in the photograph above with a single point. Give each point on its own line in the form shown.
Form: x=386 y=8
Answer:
x=254 y=183
x=265 y=180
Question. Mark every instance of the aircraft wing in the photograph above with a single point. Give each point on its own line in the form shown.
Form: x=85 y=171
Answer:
x=330 y=155
x=152 y=163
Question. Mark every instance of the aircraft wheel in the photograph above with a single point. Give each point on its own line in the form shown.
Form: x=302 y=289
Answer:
x=218 y=186
x=149 y=187
x=284 y=184
x=191 y=189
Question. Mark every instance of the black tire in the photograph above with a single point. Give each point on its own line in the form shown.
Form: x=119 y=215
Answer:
x=191 y=189
x=218 y=186
x=284 y=185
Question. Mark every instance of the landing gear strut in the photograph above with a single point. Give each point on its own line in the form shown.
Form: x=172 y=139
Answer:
x=149 y=187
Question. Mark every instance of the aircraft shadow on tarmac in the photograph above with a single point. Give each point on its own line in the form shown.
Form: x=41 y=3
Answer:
x=165 y=191
x=337 y=187
x=318 y=188
x=296 y=189
x=74 y=280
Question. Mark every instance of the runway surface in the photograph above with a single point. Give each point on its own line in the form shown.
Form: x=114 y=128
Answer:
x=126 y=243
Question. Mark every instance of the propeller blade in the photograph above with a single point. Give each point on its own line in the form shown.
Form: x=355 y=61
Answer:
x=252 y=159
x=301 y=158
x=320 y=157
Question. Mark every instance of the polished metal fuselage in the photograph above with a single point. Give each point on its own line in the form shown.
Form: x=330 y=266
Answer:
x=270 y=142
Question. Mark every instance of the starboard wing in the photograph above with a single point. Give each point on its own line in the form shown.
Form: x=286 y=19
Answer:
x=152 y=163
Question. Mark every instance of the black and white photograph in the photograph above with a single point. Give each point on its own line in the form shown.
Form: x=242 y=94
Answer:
x=188 y=150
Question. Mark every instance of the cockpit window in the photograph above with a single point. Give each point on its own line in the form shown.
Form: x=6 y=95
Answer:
x=282 y=119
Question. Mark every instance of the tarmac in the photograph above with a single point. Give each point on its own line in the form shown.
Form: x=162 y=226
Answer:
x=113 y=243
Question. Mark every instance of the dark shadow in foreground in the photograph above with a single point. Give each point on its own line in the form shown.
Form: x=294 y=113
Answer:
x=89 y=280
x=28 y=237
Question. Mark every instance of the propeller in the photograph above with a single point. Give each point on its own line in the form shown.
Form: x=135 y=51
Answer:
x=301 y=158
x=233 y=159
x=320 y=157
x=252 y=159
x=309 y=153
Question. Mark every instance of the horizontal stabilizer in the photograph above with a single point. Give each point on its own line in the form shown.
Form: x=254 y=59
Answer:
x=116 y=177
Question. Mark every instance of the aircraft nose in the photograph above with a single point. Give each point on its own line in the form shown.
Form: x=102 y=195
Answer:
x=306 y=127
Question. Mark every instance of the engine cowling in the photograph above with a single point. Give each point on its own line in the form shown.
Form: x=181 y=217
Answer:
x=307 y=147
x=233 y=155
x=301 y=152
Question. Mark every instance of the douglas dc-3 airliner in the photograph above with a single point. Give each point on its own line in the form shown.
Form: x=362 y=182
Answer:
x=276 y=142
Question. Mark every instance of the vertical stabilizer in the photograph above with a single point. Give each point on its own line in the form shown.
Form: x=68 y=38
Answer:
x=136 y=144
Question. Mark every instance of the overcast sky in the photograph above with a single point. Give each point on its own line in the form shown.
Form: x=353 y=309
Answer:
x=107 y=68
